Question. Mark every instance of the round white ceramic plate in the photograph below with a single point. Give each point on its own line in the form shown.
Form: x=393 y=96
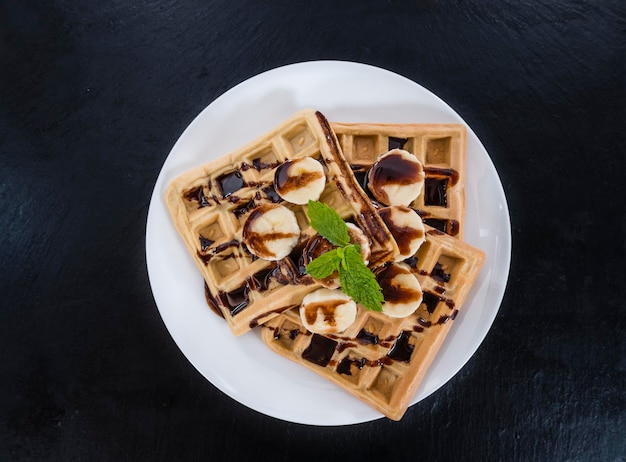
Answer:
x=242 y=367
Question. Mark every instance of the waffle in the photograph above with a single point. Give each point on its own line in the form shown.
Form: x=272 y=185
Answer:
x=209 y=206
x=440 y=147
x=382 y=360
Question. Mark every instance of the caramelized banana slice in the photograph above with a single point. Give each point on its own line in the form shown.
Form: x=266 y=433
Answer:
x=397 y=178
x=401 y=290
x=271 y=231
x=327 y=311
x=300 y=180
x=406 y=227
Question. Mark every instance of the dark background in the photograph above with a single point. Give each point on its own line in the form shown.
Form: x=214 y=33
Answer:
x=94 y=94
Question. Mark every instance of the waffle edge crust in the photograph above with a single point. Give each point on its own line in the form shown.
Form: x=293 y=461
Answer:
x=382 y=360
x=210 y=204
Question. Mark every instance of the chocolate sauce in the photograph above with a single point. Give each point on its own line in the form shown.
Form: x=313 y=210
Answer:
x=402 y=349
x=435 y=192
x=197 y=194
x=205 y=243
x=314 y=247
x=235 y=300
x=411 y=261
x=449 y=173
x=344 y=365
x=211 y=301
x=298 y=264
x=431 y=301
x=453 y=228
x=206 y=257
x=423 y=322
x=392 y=292
x=362 y=177
x=259 y=165
x=230 y=182
x=397 y=143
x=441 y=225
x=403 y=235
x=438 y=274
x=261 y=280
x=245 y=208
x=366 y=338
x=320 y=350
x=225 y=245
x=344 y=346
x=255 y=322
x=272 y=195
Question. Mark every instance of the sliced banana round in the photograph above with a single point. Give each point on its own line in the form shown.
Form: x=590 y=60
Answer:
x=401 y=290
x=327 y=311
x=397 y=178
x=406 y=227
x=300 y=180
x=271 y=231
x=317 y=245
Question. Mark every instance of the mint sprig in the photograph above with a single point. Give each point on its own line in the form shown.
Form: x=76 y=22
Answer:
x=356 y=279
x=326 y=264
x=328 y=223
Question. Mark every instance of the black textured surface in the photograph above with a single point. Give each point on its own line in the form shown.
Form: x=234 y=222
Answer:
x=94 y=94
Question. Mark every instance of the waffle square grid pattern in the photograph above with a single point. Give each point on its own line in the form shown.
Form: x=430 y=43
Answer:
x=209 y=206
x=382 y=360
x=439 y=147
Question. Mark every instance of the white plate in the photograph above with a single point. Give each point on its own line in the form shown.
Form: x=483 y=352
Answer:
x=241 y=366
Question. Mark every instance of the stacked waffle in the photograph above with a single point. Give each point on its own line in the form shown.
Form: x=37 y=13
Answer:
x=255 y=269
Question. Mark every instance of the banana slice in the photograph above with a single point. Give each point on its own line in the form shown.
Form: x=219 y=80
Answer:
x=406 y=227
x=300 y=180
x=317 y=245
x=327 y=311
x=397 y=178
x=401 y=290
x=271 y=231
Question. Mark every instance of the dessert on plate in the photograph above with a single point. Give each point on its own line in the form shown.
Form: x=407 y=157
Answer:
x=217 y=206
x=341 y=242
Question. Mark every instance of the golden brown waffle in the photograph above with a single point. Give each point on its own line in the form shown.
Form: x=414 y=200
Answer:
x=382 y=360
x=440 y=147
x=210 y=204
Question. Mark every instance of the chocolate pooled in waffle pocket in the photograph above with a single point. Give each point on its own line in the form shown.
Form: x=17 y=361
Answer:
x=217 y=207
x=440 y=148
x=381 y=359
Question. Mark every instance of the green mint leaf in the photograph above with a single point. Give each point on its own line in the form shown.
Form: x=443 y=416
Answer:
x=328 y=223
x=358 y=281
x=326 y=264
